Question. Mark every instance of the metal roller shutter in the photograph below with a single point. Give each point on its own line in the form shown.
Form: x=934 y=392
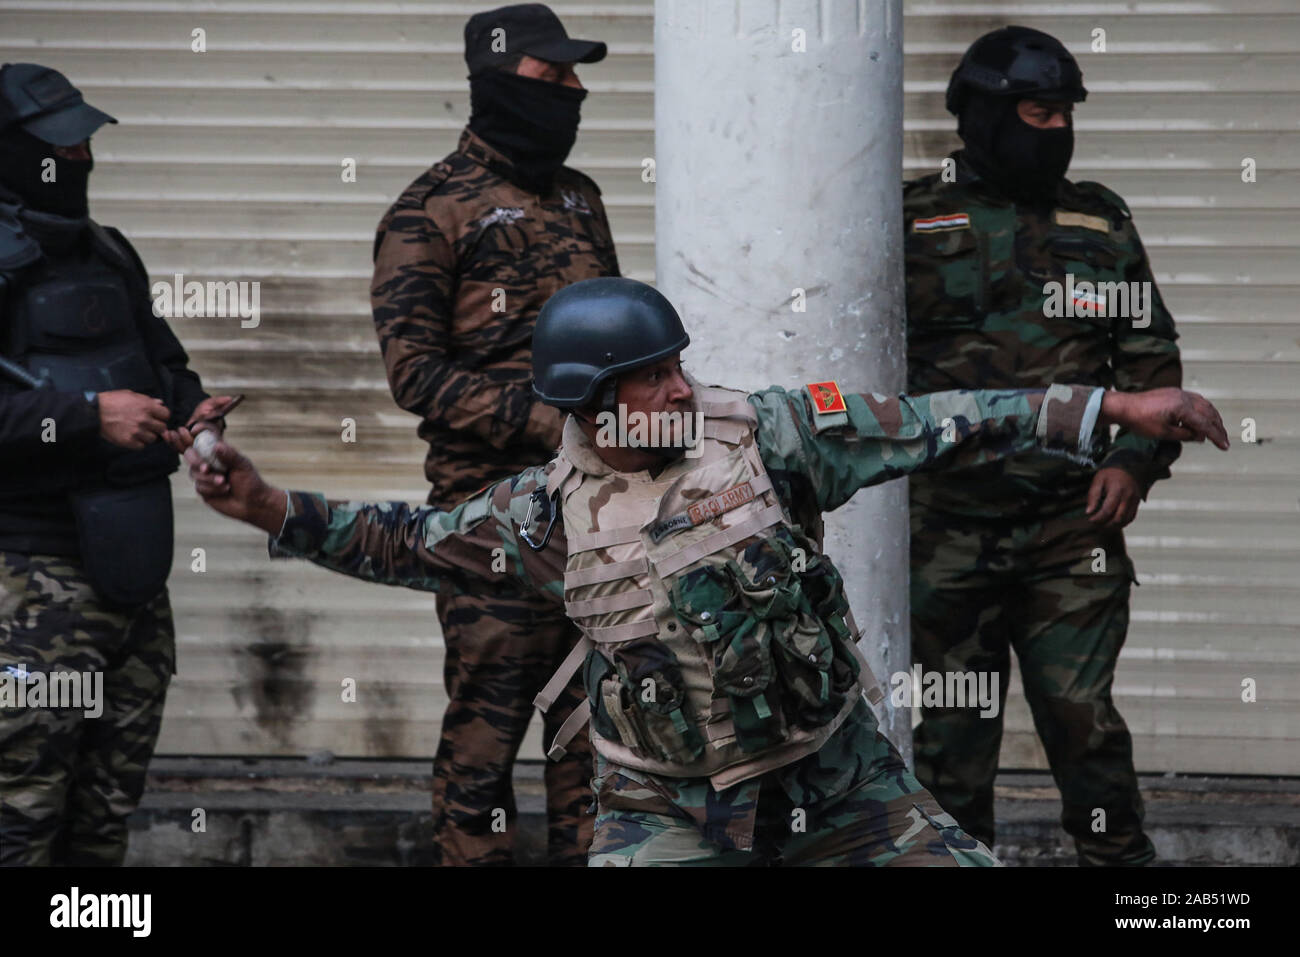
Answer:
x=227 y=166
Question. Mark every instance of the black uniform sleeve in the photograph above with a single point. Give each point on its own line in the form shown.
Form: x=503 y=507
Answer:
x=164 y=348
x=28 y=419
x=187 y=389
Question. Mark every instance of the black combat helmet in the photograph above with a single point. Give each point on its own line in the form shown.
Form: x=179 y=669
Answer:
x=1016 y=62
x=595 y=329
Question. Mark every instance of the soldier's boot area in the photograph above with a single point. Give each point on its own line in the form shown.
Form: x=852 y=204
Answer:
x=1068 y=642
x=887 y=821
x=1067 y=630
x=502 y=648
x=68 y=781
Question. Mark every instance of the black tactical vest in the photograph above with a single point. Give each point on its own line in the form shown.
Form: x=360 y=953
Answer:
x=70 y=317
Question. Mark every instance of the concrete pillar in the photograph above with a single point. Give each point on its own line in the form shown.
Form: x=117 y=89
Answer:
x=778 y=158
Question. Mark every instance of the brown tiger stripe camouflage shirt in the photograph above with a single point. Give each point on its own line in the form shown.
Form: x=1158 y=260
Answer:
x=464 y=259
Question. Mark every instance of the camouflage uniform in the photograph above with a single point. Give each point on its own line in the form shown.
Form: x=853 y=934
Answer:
x=1003 y=555
x=69 y=781
x=463 y=262
x=857 y=801
x=853 y=803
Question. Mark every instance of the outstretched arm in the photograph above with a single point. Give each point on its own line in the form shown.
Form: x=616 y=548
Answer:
x=1145 y=356
x=391 y=542
x=867 y=439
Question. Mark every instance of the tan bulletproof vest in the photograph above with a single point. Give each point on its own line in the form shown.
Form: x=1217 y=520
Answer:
x=643 y=557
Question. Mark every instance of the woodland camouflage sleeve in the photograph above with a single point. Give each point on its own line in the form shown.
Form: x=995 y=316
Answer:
x=422 y=547
x=861 y=440
x=412 y=294
x=1145 y=357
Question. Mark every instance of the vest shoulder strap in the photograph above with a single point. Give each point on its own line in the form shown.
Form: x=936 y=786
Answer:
x=18 y=250
x=725 y=430
x=719 y=403
x=560 y=680
x=556 y=476
x=119 y=252
x=569 y=730
x=866 y=677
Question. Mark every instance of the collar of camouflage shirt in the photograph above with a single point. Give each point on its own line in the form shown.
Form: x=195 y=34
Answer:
x=483 y=153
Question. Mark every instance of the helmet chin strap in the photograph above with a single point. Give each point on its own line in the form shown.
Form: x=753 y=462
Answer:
x=609 y=395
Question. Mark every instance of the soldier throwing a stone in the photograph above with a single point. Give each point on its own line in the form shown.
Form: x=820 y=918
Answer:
x=724 y=688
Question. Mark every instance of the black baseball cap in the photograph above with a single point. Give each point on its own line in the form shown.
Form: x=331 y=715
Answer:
x=46 y=105
x=530 y=28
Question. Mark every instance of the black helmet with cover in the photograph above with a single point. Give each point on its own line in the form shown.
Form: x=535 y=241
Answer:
x=1026 y=161
x=588 y=333
x=1016 y=62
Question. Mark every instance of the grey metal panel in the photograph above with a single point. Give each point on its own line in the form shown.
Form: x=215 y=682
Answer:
x=226 y=166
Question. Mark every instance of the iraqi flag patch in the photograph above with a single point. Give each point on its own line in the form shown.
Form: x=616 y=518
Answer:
x=940 y=224
x=1086 y=303
x=826 y=397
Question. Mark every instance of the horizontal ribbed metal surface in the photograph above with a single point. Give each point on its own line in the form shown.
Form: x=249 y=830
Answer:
x=226 y=166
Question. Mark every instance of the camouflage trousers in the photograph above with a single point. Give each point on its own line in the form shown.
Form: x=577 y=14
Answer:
x=981 y=587
x=501 y=649
x=68 y=780
x=874 y=814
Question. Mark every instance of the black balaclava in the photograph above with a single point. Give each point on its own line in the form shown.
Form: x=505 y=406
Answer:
x=1023 y=162
x=22 y=158
x=533 y=122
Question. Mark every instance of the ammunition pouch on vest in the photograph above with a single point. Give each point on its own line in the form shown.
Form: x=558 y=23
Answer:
x=125 y=536
x=778 y=636
x=714 y=632
x=640 y=699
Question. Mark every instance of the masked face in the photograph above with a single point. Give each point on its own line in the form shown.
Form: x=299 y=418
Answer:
x=1025 y=162
x=534 y=122
x=24 y=170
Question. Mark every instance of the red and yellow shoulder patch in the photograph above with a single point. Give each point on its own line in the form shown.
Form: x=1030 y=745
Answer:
x=826 y=397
